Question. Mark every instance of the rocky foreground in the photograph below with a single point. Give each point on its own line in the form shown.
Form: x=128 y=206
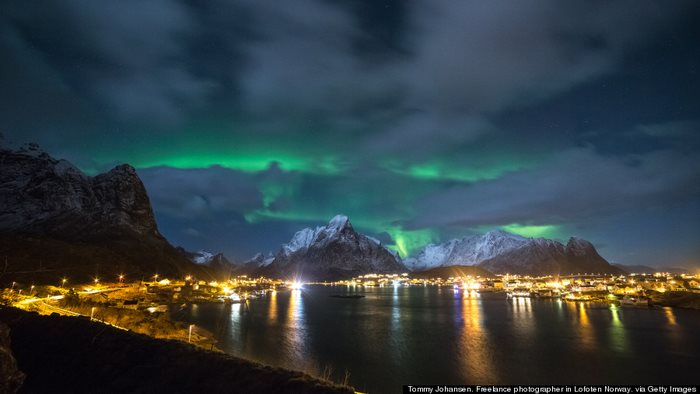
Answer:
x=68 y=354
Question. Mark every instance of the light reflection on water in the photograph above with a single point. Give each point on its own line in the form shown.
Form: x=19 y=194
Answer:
x=296 y=330
x=400 y=335
x=272 y=311
x=474 y=343
x=617 y=331
x=523 y=320
x=668 y=311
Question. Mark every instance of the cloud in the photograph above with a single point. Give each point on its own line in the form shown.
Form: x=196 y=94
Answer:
x=193 y=232
x=682 y=129
x=487 y=56
x=574 y=185
x=200 y=193
x=445 y=70
x=130 y=55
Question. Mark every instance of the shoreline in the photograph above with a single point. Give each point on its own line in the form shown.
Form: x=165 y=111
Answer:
x=83 y=354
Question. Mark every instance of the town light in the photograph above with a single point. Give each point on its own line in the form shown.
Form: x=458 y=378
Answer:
x=296 y=285
x=121 y=278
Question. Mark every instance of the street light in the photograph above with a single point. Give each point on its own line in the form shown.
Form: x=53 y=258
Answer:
x=189 y=337
x=97 y=280
x=121 y=278
x=155 y=278
x=13 y=286
x=92 y=312
x=63 y=282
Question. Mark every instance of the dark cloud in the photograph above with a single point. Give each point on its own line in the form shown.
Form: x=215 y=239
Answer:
x=201 y=193
x=683 y=129
x=128 y=55
x=487 y=56
x=574 y=185
x=434 y=114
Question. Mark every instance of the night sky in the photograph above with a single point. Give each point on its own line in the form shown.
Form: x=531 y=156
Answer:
x=420 y=120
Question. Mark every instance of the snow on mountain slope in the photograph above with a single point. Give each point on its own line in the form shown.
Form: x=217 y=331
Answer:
x=333 y=251
x=547 y=257
x=466 y=251
x=202 y=257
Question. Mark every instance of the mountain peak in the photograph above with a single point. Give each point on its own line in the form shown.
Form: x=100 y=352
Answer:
x=80 y=220
x=334 y=251
x=123 y=168
x=45 y=195
x=466 y=251
x=498 y=233
x=338 y=222
x=577 y=242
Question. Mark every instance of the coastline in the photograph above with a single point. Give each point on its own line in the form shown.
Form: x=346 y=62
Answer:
x=79 y=355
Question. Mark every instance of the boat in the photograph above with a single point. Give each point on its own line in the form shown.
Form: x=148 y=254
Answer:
x=546 y=293
x=519 y=292
x=353 y=296
x=636 y=301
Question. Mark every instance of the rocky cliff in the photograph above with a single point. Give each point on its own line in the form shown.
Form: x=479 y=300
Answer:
x=57 y=221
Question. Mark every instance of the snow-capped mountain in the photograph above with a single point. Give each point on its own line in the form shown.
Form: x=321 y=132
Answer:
x=333 y=251
x=52 y=215
x=466 y=251
x=502 y=252
x=546 y=257
x=260 y=260
x=203 y=257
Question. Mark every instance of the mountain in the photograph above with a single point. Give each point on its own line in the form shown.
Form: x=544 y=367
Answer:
x=501 y=252
x=636 y=269
x=255 y=265
x=217 y=263
x=56 y=221
x=204 y=257
x=466 y=251
x=453 y=271
x=546 y=257
x=331 y=252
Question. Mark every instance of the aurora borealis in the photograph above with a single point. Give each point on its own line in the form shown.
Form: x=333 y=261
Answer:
x=421 y=121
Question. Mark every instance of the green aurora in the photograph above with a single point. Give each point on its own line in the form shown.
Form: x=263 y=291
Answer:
x=305 y=169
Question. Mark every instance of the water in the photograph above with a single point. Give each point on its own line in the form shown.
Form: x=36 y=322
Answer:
x=431 y=335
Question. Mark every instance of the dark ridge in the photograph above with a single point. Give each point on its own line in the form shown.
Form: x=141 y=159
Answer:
x=70 y=354
x=452 y=271
x=56 y=222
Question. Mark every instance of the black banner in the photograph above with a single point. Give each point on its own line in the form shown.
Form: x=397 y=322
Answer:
x=553 y=389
